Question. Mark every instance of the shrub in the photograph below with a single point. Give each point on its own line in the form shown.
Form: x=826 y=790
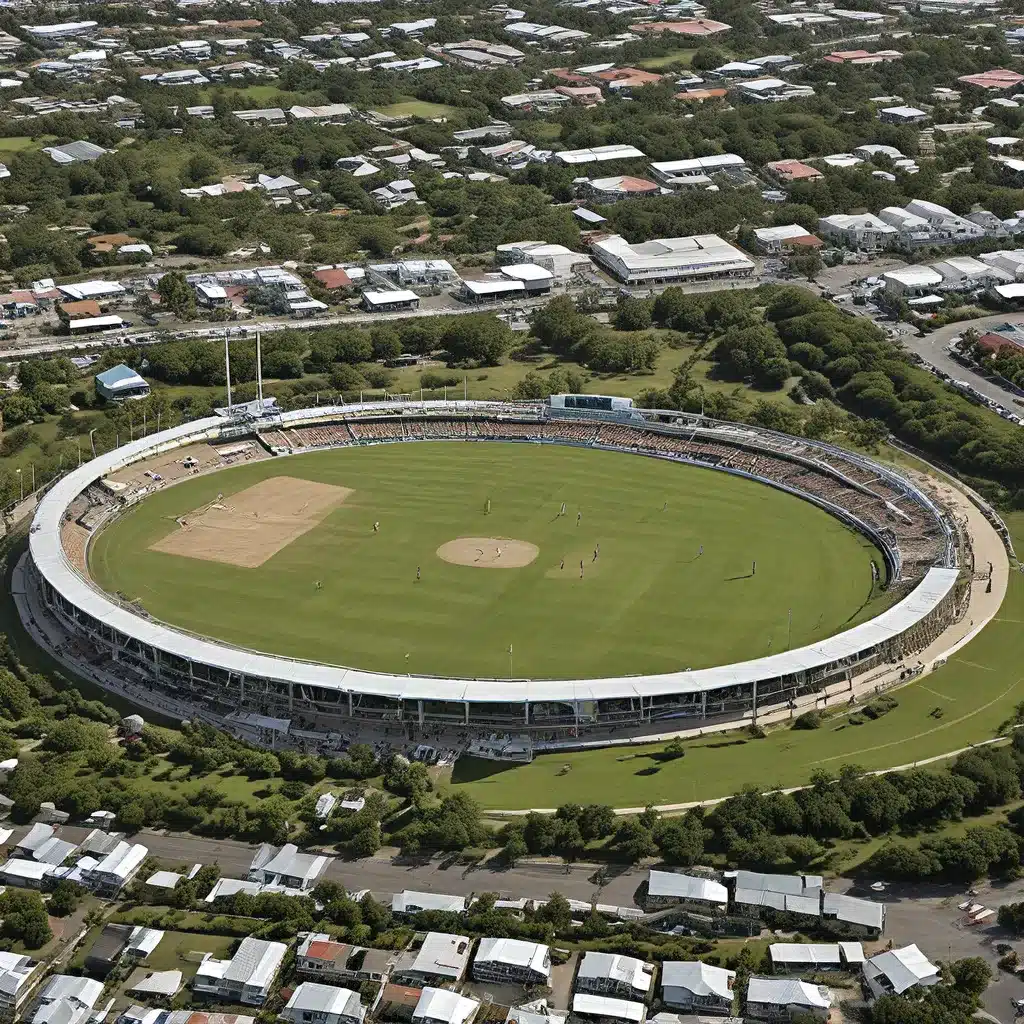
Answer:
x=809 y=720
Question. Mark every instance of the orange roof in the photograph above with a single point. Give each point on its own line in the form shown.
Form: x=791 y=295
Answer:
x=627 y=184
x=700 y=95
x=331 y=279
x=325 y=950
x=690 y=27
x=794 y=170
x=997 y=78
x=82 y=309
x=633 y=75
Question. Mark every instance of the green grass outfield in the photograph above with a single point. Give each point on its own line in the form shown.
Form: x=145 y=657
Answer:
x=649 y=603
x=977 y=690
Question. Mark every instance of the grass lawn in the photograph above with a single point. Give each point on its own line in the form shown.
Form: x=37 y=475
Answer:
x=677 y=58
x=16 y=143
x=976 y=689
x=418 y=108
x=648 y=604
x=175 y=946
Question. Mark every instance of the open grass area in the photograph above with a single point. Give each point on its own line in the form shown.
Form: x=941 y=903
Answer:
x=677 y=58
x=649 y=603
x=418 y=108
x=16 y=143
x=976 y=690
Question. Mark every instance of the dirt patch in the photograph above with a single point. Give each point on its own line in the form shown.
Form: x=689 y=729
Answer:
x=248 y=528
x=488 y=552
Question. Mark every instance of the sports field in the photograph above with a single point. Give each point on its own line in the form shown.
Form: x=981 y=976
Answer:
x=963 y=702
x=246 y=568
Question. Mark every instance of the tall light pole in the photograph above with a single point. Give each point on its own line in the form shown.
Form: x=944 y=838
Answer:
x=21 y=483
x=92 y=440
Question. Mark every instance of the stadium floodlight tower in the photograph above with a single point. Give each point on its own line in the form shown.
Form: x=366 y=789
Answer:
x=227 y=366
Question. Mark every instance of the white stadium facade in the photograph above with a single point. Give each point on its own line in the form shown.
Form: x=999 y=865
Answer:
x=281 y=701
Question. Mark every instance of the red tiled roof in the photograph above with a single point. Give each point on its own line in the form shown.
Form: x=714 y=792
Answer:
x=331 y=279
x=794 y=170
x=321 y=950
x=700 y=95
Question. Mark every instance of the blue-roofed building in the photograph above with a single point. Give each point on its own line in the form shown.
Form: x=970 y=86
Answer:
x=120 y=383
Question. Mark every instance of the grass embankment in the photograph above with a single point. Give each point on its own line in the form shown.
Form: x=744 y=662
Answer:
x=976 y=690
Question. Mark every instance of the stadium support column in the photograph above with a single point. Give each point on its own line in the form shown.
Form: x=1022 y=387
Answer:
x=291 y=697
x=241 y=689
x=419 y=712
x=227 y=366
x=259 y=372
x=704 y=704
x=755 y=702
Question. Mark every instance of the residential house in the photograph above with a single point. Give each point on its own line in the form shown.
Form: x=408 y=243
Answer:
x=17 y=977
x=66 y=1000
x=862 y=56
x=668 y=888
x=612 y=974
x=899 y=970
x=409 y=901
x=246 y=977
x=775 y=999
x=996 y=80
x=107 y=949
x=606 y=1009
x=695 y=27
x=598 y=154
x=921 y=221
x=902 y=115
x=442 y=958
x=804 y=957
x=442 y=1006
x=312 y=1003
x=395 y=194
x=319 y=956
x=695 y=987
x=788 y=171
x=514 y=961
x=287 y=867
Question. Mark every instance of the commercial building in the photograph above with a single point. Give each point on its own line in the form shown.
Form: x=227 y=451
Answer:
x=493 y=290
x=561 y=261
x=535 y=280
x=312 y=1003
x=695 y=171
x=246 y=977
x=667 y=889
x=668 y=260
x=898 y=970
x=611 y=190
x=384 y=302
x=120 y=383
x=504 y=961
x=612 y=974
x=771 y=90
x=695 y=987
x=781 y=998
x=995 y=80
x=858 y=230
x=75 y=152
x=441 y=959
x=287 y=867
x=599 y=154
x=785 y=236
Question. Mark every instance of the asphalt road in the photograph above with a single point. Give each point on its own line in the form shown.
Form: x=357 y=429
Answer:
x=932 y=348
x=925 y=915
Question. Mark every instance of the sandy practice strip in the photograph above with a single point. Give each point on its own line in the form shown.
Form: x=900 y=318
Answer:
x=488 y=552
x=248 y=528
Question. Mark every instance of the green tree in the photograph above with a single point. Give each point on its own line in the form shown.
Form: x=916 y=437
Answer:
x=177 y=295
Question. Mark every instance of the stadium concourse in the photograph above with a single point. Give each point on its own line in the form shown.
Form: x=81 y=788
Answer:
x=931 y=537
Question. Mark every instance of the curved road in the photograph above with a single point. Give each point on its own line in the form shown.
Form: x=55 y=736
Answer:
x=932 y=348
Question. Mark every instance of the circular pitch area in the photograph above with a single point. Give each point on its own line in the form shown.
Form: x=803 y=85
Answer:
x=337 y=557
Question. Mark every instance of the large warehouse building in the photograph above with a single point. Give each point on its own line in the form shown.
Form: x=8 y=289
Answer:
x=664 y=260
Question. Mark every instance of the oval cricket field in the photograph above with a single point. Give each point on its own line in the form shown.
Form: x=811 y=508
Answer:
x=335 y=556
